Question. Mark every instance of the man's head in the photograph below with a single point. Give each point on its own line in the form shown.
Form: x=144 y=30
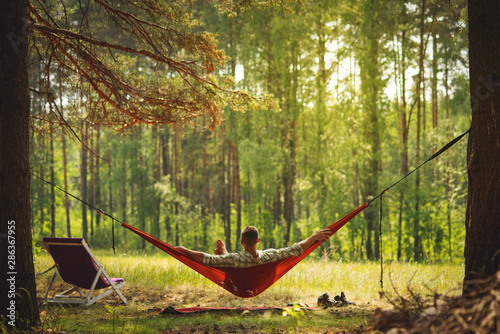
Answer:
x=249 y=236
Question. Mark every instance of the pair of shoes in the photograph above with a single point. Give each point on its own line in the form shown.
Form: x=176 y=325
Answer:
x=325 y=301
x=343 y=301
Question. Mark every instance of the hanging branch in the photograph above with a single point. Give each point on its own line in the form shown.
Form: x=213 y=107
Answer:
x=187 y=93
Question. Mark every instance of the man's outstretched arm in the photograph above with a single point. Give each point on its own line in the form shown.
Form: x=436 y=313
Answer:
x=320 y=235
x=197 y=256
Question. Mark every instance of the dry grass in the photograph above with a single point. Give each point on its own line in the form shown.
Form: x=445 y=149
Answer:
x=159 y=281
x=477 y=311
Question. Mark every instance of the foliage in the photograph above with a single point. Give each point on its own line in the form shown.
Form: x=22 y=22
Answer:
x=289 y=170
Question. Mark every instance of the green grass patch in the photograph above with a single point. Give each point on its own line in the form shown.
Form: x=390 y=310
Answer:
x=159 y=281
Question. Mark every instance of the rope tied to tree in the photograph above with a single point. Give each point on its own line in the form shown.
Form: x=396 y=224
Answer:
x=432 y=157
x=87 y=204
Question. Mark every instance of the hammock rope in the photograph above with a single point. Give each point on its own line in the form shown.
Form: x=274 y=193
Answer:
x=250 y=282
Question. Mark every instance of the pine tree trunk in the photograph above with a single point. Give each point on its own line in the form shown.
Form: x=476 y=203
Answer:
x=41 y=193
x=370 y=86
x=404 y=129
x=66 y=197
x=277 y=207
x=155 y=223
x=166 y=170
x=226 y=207
x=52 y=189
x=84 y=183
x=65 y=162
x=237 y=194
x=123 y=195
x=417 y=243
x=91 y=186
x=97 y=175
x=482 y=242
x=18 y=301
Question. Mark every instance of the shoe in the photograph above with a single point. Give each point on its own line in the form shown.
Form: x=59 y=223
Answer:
x=342 y=300
x=325 y=301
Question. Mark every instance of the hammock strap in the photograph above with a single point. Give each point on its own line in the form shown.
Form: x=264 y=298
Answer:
x=432 y=157
x=87 y=204
x=435 y=155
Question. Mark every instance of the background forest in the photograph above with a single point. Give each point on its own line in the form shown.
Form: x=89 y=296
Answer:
x=362 y=91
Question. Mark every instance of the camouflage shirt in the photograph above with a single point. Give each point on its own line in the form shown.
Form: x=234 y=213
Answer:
x=244 y=259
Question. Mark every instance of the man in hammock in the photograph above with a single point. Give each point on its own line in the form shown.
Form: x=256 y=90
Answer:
x=250 y=256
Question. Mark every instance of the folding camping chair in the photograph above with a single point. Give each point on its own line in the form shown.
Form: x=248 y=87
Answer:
x=77 y=265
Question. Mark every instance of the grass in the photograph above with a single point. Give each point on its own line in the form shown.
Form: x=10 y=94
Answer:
x=159 y=281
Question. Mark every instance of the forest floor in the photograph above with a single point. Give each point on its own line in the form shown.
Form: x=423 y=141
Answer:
x=112 y=316
x=157 y=281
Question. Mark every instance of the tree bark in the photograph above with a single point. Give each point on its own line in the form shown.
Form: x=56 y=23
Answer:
x=482 y=241
x=237 y=194
x=97 y=175
x=157 y=167
x=417 y=240
x=18 y=298
x=52 y=189
x=84 y=183
x=66 y=197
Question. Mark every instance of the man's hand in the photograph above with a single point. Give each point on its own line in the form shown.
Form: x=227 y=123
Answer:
x=320 y=235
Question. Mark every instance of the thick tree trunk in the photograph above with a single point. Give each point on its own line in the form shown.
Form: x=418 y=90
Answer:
x=482 y=242
x=18 y=301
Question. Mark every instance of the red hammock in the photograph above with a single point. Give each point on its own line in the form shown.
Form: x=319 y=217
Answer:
x=246 y=282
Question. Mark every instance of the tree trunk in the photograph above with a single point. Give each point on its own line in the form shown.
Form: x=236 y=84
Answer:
x=237 y=194
x=166 y=170
x=155 y=223
x=123 y=196
x=371 y=86
x=97 y=175
x=52 y=189
x=65 y=162
x=417 y=243
x=41 y=192
x=84 y=183
x=277 y=207
x=226 y=193
x=91 y=193
x=18 y=300
x=482 y=242
x=404 y=129
x=66 y=197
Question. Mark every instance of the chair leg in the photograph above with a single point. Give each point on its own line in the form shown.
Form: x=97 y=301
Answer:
x=50 y=285
x=91 y=300
x=115 y=287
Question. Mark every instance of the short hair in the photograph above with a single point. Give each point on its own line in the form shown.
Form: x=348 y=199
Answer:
x=249 y=235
